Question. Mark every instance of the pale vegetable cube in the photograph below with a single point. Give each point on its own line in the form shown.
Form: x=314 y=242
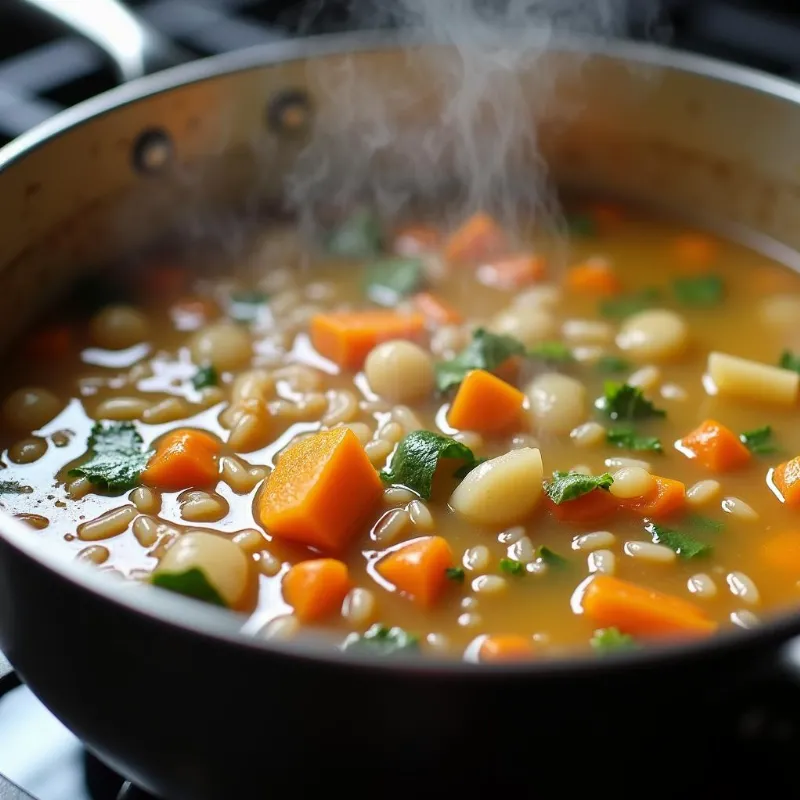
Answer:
x=557 y=402
x=654 y=335
x=750 y=380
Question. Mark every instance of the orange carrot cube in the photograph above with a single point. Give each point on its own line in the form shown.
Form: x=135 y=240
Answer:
x=486 y=404
x=714 y=446
x=418 y=568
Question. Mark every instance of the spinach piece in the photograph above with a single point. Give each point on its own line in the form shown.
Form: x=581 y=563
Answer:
x=612 y=364
x=359 y=236
x=683 y=544
x=628 y=439
x=789 y=360
x=382 y=641
x=117 y=456
x=204 y=377
x=391 y=280
x=620 y=401
x=414 y=462
x=486 y=351
x=702 y=291
x=192 y=583
x=455 y=574
x=567 y=486
x=550 y=557
x=607 y=640
x=552 y=353
x=511 y=567
x=759 y=440
x=621 y=307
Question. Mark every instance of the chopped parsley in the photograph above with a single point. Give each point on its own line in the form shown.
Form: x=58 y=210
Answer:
x=702 y=291
x=117 y=456
x=246 y=306
x=205 y=377
x=628 y=439
x=610 y=364
x=683 y=544
x=552 y=353
x=192 y=583
x=789 y=360
x=414 y=462
x=607 y=640
x=359 y=236
x=620 y=401
x=455 y=574
x=550 y=557
x=511 y=567
x=759 y=441
x=567 y=486
x=486 y=351
x=382 y=641
x=621 y=307
x=390 y=280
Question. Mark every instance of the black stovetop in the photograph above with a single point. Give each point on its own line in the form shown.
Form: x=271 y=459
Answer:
x=42 y=72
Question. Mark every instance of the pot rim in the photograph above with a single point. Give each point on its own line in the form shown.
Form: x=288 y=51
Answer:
x=220 y=625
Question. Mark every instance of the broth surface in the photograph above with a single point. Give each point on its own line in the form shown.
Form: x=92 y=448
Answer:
x=519 y=581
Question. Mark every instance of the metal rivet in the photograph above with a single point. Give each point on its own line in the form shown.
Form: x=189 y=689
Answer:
x=289 y=112
x=152 y=151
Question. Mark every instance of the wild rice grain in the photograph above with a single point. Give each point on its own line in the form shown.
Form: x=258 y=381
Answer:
x=168 y=410
x=391 y=526
x=739 y=509
x=741 y=586
x=650 y=552
x=342 y=407
x=378 y=451
x=596 y=540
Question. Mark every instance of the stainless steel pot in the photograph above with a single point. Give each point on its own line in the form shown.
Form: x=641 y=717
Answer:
x=162 y=689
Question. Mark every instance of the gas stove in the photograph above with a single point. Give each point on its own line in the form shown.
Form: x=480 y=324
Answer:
x=42 y=73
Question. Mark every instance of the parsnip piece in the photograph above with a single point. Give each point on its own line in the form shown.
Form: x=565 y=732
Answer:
x=750 y=380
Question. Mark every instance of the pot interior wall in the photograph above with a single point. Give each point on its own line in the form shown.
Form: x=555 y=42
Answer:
x=644 y=126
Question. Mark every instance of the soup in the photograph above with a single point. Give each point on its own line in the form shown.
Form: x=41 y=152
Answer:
x=431 y=441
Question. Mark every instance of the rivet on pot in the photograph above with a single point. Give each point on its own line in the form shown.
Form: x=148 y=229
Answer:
x=289 y=112
x=152 y=151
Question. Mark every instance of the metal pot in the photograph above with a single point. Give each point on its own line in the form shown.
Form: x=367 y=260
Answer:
x=162 y=688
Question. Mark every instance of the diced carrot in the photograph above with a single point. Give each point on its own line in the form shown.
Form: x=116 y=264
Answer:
x=512 y=273
x=589 y=509
x=595 y=277
x=639 y=611
x=714 y=446
x=321 y=491
x=486 y=404
x=506 y=648
x=416 y=240
x=436 y=310
x=316 y=589
x=667 y=498
x=50 y=343
x=696 y=250
x=786 y=478
x=347 y=337
x=418 y=568
x=781 y=553
x=184 y=458
x=478 y=239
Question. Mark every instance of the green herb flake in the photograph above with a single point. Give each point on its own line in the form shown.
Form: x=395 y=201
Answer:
x=608 y=640
x=205 y=377
x=382 y=641
x=702 y=291
x=117 y=456
x=789 y=360
x=550 y=557
x=414 y=462
x=191 y=583
x=552 y=353
x=611 y=364
x=628 y=439
x=359 y=236
x=455 y=574
x=511 y=567
x=625 y=306
x=486 y=351
x=683 y=544
x=389 y=281
x=759 y=441
x=567 y=486
x=620 y=401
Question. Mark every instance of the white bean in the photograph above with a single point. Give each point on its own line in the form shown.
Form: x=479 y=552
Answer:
x=146 y=500
x=702 y=492
x=744 y=619
x=511 y=535
x=501 y=491
x=281 y=628
x=399 y=371
x=528 y=326
x=168 y=410
x=590 y=434
x=391 y=526
x=741 y=586
x=603 y=561
x=620 y=463
x=596 y=540
x=476 y=559
x=420 y=515
x=702 y=585
x=359 y=607
x=750 y=380
x=112 y=523
x=587 y=331
x=224 y=345
x=30 y=408
x=121 y=409
x=739 y=509
x=630 y=482
x=646 y=378
x=119 y=327
x=250 y=540
x=651 y=552
x=199 y=506
x=489 y=584
x=397 y=495
x=537 y=297
x=653 y=335
x=558 y=402
x=522 y=550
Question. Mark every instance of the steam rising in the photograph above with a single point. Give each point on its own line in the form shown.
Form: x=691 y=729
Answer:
x=455 y=124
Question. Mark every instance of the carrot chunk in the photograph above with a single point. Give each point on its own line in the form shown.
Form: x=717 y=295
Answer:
x=50 y=343
x=668 y=497
x=184 y=458
x=321 y=491
x=479 y=238
x=486 y=404
x=436 y=310
x=786 y=478
x=639 y=611
x=418 y=568
x=595 y=277
x=512 y=273
x=316 y=589
x=416 y=240
x=505 y=648
x=347 y=337
x=588 y=509
x=714 y=446
x=781 y=553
